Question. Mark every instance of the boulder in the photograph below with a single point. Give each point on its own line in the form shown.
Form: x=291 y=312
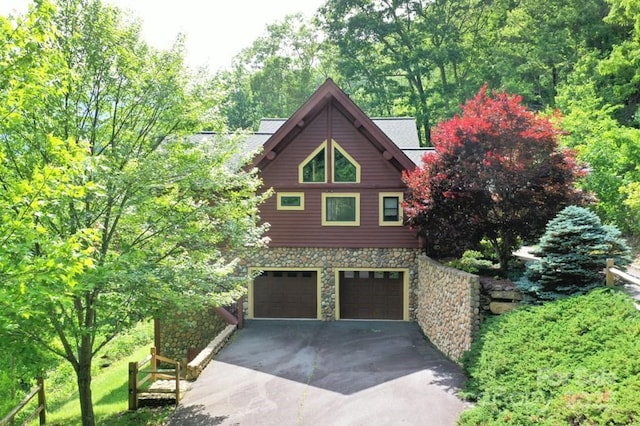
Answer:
x=499 y=308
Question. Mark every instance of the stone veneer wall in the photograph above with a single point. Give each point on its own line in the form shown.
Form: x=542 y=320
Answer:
x=188 y=330
x=448 y=306
x=331 y=258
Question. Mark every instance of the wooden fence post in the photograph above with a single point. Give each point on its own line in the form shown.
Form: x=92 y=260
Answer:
x=177 y=384
x=42 y=402
x=133 y=386
x=610 y=277
x=240 y=305
x=154 y=365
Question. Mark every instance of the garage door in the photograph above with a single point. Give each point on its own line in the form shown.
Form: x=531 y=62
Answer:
x=285 y=294
x=371 y=295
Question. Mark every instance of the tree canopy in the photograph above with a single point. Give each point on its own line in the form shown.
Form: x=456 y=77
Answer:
x=110 y=213
x=273 y=76
x=497 y=173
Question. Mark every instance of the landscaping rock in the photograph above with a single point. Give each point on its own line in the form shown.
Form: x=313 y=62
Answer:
x=498 y=296
x=499 y=308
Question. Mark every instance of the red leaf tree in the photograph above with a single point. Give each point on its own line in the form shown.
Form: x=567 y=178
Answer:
x=496 y=173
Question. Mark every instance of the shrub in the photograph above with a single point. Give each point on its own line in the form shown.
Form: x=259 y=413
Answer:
x=471 y=261
x=573 y=361
x=573 y=252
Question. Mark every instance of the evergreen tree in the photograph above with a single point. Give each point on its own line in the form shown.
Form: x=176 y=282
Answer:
x=573 y=252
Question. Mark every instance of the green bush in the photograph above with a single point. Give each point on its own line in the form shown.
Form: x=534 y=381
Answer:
x=471 y=261
x=573 y=252
x=573 y=361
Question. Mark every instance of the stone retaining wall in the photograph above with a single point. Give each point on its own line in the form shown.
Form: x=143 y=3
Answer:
x=448 y=306
x=197 y=365
x=187 y=332
x=329 y=259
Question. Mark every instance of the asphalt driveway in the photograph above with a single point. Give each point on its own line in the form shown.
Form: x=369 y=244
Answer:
x=325 y=373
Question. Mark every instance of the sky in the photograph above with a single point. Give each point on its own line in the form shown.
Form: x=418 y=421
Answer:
x=216 y=30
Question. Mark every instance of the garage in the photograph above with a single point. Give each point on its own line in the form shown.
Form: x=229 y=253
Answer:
x=286 y=294
x=371 y=295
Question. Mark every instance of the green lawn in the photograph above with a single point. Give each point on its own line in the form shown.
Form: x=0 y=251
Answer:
x=109 y=386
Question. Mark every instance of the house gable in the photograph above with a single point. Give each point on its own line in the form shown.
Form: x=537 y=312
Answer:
x=328 y=94
x=335 y=163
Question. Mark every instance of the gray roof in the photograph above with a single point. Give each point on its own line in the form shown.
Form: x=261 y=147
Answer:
x=270 y=125
x=401 y=130
x=415 y=154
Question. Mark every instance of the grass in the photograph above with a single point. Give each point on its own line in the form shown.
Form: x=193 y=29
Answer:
x=109 y=386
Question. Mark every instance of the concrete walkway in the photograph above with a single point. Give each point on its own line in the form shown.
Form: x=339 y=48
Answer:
x=633 y=290
x=325 y=373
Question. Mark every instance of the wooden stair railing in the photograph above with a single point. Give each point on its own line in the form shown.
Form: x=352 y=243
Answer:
x=145 y=385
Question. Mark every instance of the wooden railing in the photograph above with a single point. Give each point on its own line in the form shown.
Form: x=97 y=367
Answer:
x=143 y=385
x=613 y=272
x=38 y=412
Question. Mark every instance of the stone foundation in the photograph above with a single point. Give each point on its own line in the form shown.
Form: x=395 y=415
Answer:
x=444 y=301
x=187 y=332
x=448 y=306
x=331 y=259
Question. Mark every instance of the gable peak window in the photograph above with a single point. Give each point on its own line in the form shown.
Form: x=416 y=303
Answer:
x=314 y=168
x=345 y=168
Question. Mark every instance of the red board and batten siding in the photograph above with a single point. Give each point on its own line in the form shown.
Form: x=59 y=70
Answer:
x=303 y=228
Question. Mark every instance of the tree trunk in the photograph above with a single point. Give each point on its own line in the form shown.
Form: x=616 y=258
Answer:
x=83 y=373
x=503 y=247
x=424 y=111
x=443 y=77
x=84 y=390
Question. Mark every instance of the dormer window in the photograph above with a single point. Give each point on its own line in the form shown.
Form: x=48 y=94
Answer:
x=314 y=168
x=345 y=168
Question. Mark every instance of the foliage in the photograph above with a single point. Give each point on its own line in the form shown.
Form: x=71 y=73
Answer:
x=531 y=47
x=567 y=362
x=109 y=213
x=61 y=388
x=496 y=173
x=471 y=261
x=273 y=76
x=413 y=55
x=573 y=252
x=611 y=149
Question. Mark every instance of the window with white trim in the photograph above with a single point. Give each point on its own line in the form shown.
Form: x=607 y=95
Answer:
x=314 y=168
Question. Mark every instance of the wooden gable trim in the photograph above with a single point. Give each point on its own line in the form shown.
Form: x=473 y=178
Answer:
x=329 y=93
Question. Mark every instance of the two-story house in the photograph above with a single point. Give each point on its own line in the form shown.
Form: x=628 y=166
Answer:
x=339 y=248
